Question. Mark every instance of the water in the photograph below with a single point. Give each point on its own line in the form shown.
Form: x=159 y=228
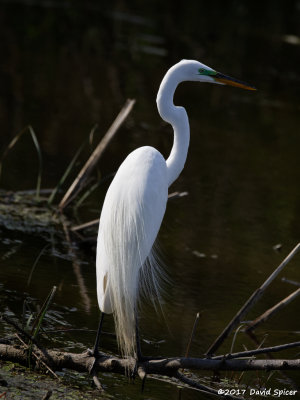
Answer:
x=66 y=68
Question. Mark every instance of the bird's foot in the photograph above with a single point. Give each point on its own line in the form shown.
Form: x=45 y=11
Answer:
x=93 y=353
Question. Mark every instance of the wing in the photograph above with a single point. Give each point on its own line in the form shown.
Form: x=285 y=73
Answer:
x=132 y=213
x=131 y=216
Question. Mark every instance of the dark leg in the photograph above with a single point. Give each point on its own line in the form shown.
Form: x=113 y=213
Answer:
x=95 y=352
x=137 y=338
x=140 y=358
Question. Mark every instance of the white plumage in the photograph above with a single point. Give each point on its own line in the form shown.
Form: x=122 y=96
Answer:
x=134 y=207
x=130 y=220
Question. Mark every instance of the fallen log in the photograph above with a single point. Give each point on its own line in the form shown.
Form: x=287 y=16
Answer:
x=83 y=362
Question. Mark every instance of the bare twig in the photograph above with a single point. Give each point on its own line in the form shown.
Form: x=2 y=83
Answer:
x=250 y=303
x=65 y=175
x=192 y=334
x=250 y=353
x=86 y=225
x=290 y=281
x=81 y=178
x=38 y=358
x=177 y=195
x=234 y=337
x=271 y=311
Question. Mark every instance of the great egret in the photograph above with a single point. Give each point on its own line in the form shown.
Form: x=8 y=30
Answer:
x=134 y=207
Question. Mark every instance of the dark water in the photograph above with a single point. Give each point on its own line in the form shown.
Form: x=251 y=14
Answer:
x=66 y=67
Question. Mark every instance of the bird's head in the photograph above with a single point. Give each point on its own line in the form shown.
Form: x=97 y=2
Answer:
x=196 y=71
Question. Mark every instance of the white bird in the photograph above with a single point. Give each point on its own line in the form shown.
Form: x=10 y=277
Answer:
x=134 y=207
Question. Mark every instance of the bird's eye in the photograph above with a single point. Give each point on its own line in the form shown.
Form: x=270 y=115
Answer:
x=201 y=70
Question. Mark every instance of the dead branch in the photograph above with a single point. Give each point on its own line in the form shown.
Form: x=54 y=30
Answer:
x=38 y=358
x=250 y=303
x=295 y=283
x=192 y=334
x=250 y=353
x=271 y=311
x=86 y=225
x=255 y=340
x=81 y=178
x=177 y=195
x=83 y=362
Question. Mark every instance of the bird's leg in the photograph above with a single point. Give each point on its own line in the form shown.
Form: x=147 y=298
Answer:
x=137 y=338
x=95 y=352
x=139 y=369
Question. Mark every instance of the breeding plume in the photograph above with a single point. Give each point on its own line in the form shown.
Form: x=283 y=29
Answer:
x=134 y=207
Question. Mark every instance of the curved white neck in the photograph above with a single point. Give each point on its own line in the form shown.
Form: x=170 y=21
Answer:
x=177 y=117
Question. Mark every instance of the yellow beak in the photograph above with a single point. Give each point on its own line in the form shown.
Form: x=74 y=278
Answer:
x=227 y=80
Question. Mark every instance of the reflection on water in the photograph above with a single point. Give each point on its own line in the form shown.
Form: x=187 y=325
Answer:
x=65 y=68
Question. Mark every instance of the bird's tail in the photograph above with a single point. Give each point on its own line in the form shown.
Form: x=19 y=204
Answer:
x=133 y=268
